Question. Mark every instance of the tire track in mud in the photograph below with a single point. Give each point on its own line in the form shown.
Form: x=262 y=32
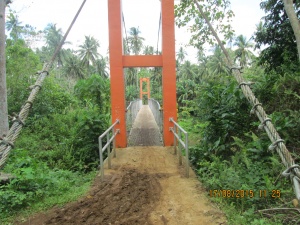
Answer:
x=127 y=197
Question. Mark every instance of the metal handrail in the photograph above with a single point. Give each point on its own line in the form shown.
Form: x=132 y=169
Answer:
x=157 y=112
x=177 y=135
x=107 y=146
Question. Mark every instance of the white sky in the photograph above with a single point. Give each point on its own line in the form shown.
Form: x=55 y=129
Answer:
x=138 y=13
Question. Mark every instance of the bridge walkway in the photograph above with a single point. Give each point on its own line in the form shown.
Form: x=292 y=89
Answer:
x=145 y=131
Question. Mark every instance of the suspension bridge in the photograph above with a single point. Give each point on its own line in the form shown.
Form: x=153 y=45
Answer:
x=148 y=136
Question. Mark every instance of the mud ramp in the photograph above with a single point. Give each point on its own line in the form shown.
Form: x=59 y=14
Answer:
x=144 y=186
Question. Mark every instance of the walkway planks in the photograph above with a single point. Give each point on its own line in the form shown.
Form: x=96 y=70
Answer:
x=145 y=131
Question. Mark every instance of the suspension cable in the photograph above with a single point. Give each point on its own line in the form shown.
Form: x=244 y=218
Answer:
x=127 y=49
x=159 y=25
x=58 y=48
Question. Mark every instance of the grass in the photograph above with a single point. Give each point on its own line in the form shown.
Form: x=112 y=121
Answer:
x=194 y=129
x=72 y=194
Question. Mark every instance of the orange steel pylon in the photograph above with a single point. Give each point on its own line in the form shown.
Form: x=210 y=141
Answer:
x=147 y=80
x=119 y=61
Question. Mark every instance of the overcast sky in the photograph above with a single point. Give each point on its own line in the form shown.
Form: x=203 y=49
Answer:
x=137 y=13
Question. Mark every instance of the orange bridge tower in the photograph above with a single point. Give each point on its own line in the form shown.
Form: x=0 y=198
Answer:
x=119 y=61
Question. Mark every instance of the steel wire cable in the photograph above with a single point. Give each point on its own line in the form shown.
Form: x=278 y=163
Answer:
x=7 y=143
x=159 y=25
x=123 y=19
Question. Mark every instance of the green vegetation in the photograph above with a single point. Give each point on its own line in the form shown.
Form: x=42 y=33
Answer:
x=232 y=154
x=56 y=156
x=228 y=152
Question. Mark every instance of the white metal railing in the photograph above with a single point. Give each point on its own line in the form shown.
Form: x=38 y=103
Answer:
x=107 y=146
x=131 y=112
x=177 y=131
x=157 y=112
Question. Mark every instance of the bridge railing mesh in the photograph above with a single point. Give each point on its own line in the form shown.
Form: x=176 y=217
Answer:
x=157 y=112
x=131 y=113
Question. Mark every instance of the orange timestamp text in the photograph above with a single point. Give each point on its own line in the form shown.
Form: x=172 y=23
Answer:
x=227 y=193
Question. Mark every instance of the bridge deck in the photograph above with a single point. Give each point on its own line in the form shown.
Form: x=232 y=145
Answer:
x=145 y=131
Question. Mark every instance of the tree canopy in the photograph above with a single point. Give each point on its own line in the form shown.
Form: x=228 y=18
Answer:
x=276 y=35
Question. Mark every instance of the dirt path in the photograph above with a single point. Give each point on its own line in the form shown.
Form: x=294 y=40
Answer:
x=144 y=186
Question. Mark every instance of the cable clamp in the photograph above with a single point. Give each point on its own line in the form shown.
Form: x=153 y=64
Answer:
x=236 y=68
x=44 y=71
x=275 y=144
x=261 y=126
x=29 y=102
x=34 y=86
x=246 y=83
x=287 y=172
x=16 y=118
x=6 y=142
x=252 y=111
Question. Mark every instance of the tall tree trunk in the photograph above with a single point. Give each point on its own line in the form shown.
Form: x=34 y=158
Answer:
x=290 y=11
x=3 y=91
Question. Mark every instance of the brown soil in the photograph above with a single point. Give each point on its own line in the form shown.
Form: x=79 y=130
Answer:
x=144 y=186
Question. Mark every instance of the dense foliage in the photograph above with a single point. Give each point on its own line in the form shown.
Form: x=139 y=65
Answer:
x=275 y=32
x=217 y=11
x=232 y=154
x=57 y=152
x=228 y=152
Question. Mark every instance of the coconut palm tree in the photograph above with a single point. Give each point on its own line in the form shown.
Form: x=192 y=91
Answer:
x=217 y=64
x=73 y=67
x=181 y=54
x=243 y=53
x=14 y=26
x=88 y=52
x=130 y=76
x=101 y=66
x=203 y=64
x=135 y=41
x=187 y=71
x=126 y=49
x=148 y=50
x=156 y=75
x=53 y=37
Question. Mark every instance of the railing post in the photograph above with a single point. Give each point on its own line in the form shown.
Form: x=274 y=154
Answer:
x=101 y=159
x=178 y=135
x=108 y=152
x=187 y=155
x=114 y=146
x=175 y=143
x=179 y=148
x=161 y=121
